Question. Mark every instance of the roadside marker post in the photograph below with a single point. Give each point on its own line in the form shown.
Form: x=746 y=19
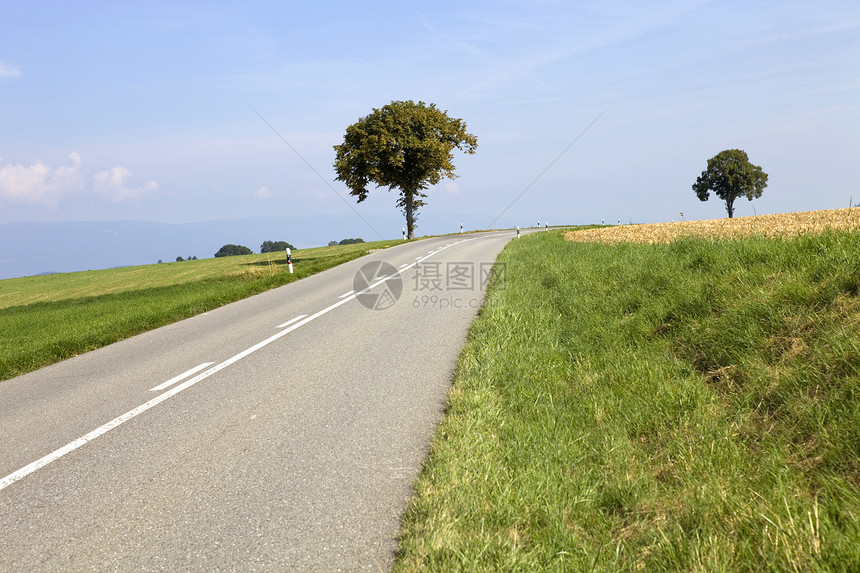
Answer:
x=518 y=232
x=290 y=260
x=404 y=232
x=461 y=228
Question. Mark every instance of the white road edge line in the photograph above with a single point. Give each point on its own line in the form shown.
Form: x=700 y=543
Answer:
x=72 y=446
x=182 y=376
x=346 y=294
x=292 y=320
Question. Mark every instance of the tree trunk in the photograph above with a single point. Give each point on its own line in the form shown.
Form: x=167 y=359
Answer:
x=730 y=208
x=410 y=218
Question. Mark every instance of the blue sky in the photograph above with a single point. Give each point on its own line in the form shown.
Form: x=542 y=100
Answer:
x=149 y=111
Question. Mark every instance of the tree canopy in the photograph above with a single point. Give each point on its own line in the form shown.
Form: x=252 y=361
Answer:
x=231 y=250
x=730 y=175
x=275 y=246
x=405 y=146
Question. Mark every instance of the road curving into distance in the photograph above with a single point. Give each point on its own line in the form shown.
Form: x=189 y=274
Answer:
x=280 y=432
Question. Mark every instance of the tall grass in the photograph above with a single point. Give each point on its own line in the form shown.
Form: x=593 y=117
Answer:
x=690 y=406
x=49 y=318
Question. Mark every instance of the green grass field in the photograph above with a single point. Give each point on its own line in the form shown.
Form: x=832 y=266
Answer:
x=690 y=406
x=45 y=319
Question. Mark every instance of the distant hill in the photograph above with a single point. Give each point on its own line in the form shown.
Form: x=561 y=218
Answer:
x=31 y=248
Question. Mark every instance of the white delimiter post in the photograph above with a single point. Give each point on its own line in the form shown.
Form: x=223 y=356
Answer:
x=404 y=232
x=290 y=260
x=461 y=228
x=518 y=232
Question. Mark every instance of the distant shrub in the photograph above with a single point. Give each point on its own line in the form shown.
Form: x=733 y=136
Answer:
x=275 y=246
x=231 y=250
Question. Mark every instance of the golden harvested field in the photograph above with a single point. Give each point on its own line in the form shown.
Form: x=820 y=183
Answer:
x=785 y=225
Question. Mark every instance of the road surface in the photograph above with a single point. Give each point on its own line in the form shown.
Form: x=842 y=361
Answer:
x=281 y=432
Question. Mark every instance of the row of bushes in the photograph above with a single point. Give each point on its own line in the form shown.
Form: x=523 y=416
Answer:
x=270 y=247
x=266 y=247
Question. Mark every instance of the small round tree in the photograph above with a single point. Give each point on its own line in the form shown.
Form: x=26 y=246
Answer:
x=730 y=175
x=275 y=246
x=233 y=250
x=403 y=145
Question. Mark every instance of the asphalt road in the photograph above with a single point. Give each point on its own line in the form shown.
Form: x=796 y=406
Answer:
x=290 y=443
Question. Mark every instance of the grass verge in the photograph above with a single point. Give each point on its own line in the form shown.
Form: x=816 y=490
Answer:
x=690 y=406
x=46 y=319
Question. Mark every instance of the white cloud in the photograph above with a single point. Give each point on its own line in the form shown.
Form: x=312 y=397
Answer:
x=451 y=188
x=8 y=70
x=263 y=193
x=113 y=184
x=40 y=183
x=316 y=194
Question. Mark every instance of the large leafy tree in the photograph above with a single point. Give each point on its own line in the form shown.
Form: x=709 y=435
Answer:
x=730 y=175
x=403 y=145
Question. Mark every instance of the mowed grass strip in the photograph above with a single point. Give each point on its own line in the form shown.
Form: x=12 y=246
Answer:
x=690 y=406
x=28 y=290
x=46 y=319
